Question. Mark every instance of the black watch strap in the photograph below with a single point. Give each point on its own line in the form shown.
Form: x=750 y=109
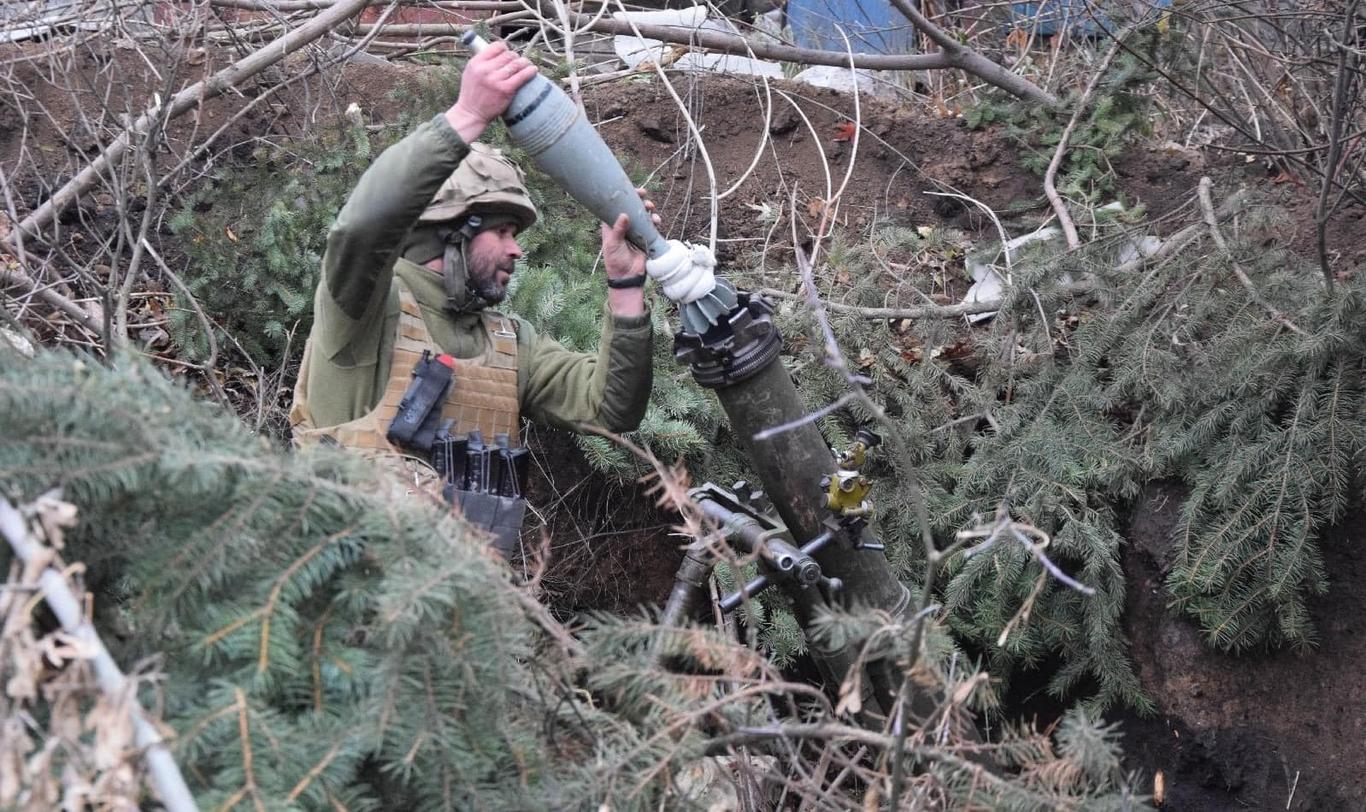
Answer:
x=628 y=282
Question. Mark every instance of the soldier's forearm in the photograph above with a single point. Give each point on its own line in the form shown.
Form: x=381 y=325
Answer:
x=626 y=302
x=364 y=240
x=628 y=361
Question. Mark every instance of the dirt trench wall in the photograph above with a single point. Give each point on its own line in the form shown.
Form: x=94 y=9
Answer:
x=1267 y=730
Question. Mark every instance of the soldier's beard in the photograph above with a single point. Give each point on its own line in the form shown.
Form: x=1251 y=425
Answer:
x=484 y=278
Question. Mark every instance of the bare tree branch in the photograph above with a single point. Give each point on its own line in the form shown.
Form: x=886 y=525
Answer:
x=39 y=560
x=960 y=57
x=1341 y=102
x=1207 y=208
x=182 y=102
x=1069 y=229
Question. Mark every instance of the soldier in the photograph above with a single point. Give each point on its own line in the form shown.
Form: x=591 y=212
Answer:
x=425 y=244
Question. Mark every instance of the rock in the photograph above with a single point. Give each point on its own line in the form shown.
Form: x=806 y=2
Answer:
x=652 y=126
x=784 y=121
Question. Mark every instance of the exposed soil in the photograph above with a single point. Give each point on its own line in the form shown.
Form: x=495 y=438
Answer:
x=609 y=549
x=1275 y=730
x=903 y=155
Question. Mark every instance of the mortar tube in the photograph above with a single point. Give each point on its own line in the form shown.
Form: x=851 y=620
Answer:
x=791 y=466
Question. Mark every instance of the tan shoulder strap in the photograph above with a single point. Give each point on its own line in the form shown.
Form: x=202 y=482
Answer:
x=502 y=336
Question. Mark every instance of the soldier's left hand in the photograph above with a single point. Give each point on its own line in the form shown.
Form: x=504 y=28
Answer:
x=620 y=258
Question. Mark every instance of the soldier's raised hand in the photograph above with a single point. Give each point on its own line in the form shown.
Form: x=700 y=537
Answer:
x=623 y=261
x=490 y=79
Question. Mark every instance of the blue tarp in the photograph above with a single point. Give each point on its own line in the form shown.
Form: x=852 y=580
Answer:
x=1079 y=16
x=872 y=26
x=875 y=27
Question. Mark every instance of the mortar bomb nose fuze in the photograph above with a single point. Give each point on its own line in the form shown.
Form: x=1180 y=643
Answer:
x=687 y=275
x=684 y=271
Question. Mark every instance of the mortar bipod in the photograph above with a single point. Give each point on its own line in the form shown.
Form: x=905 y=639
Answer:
x=783 y=562
x=745 y=518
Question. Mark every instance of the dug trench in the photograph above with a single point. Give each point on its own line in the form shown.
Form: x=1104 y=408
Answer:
x=1270 y=729
x=1276 y=729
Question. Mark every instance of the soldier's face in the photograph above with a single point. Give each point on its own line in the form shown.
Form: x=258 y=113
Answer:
x=492 y=256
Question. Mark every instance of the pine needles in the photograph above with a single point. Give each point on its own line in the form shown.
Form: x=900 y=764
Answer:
x=1172 y=368
x=329 y=642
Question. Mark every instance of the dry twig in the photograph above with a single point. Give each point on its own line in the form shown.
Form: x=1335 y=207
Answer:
x=951 y=55
x=1212 y=223
x=184 y=101
x=39 y=560
x=1050 y=188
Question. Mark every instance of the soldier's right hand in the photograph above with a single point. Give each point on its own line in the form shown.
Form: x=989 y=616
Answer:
x=490 y=80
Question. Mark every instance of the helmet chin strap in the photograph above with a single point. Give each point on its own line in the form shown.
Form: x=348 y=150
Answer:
x=461 y=297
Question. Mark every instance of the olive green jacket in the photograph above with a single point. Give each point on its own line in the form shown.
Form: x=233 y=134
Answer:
x=356 y=310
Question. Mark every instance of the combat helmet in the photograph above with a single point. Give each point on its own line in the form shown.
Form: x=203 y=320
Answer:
x=486 y=183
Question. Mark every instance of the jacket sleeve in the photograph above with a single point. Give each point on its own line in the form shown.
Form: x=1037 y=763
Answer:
x=363 y=243
x=609 y=389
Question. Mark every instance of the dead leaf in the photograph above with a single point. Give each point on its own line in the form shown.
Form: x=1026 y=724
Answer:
x=1159 y=788
x=55 y=515
x=851 y=695
x=815 y=207
x=113 y=726
x=17 y=342
x=872 y=799
x=1018 y=39
x=866 y=359
x=60 y=648
x=231 y=236
x=23 y=682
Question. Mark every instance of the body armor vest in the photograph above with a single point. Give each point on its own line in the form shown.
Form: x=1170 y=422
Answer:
x=482 y=397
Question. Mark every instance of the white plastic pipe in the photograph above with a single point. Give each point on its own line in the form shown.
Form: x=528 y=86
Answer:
x=161 y=767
